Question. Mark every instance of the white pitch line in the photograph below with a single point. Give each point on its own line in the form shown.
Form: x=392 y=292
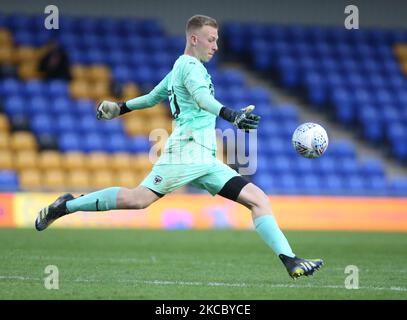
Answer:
x=214 y=284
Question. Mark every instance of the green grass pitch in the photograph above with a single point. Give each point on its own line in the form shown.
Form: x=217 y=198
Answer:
x=187 y=264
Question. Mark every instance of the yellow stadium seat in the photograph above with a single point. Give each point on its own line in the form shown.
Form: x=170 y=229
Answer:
x=50 y=159
x=6 y=160
x=28 y=70
x=79 y=89
x=23 y=140
x=5 y=38
x=98 y=161
x=102 y=179
x=4 y=123
x=26 y=159
x=99 y=90
x=74 y=160
x=136 y=126
x=401 y=51
x=27 y=54
x=79 y=72
x=30 y=179
x=4 y=141
x=130 y=91
x=98 y=73
x=54 y=179
x=121 y=161
x=161 y=123
x=127 y=179
x=7 y=55
x=141 y=163
x=78 y=180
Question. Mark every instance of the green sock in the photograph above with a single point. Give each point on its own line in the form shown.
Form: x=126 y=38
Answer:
x=269 y=231
x=102 y=200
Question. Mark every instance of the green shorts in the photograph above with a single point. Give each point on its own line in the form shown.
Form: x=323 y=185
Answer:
x=195 y=165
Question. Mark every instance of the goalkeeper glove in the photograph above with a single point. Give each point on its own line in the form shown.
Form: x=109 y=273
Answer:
x=108 y=110
x=242 y=119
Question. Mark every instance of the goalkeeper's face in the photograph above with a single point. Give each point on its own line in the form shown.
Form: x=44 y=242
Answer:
x=206 y=43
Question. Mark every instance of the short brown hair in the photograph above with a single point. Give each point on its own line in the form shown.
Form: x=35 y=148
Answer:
x=198 y=21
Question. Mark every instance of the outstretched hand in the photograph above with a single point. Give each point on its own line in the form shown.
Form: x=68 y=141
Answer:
x=107 y=110
x=246 y=120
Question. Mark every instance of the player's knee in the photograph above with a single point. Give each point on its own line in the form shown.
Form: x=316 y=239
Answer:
x=261 y=200
x=131 y=199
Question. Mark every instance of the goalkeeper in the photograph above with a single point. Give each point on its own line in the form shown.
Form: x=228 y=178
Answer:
x=189 y=156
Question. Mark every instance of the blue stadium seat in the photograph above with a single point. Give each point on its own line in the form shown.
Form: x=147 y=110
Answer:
x=258 y=95
x=8 y=181
x=342 y=149
x=88 y=123
x=10 y=87
x=15 y=105
x=116 y=143
x=333 y=184
x=38 y=105
x=35 y=88
x=61 y=105
x=70 y=142
x=139 y=144
x=398 y=187
x=287 y=183
x=122 y=73
x=42 y=123
x=93 y=142
x=309 y=183
x=65 y=122
x=280 y=165
x=377 y=185
x=84 y=107
x=57 y=88
x=112 y=127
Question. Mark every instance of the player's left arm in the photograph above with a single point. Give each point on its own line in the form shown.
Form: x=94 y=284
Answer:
x=195 y=83
x=109 y=110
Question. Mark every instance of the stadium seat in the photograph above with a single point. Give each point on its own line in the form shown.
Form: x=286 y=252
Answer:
x=70 y=142
x=23 y=141
x=50 y=160
x=26 y=159
x=54 y=179
x=98 y=161
x=127 y=178
x=103 y=179
x=8 y=181
x=4 y=141
x=31 y=179
x=6 y=160
x=4 y=124
x=141 y=162
x=121 y=161
x=74 y=161
x=78 y=180
x=399 y=186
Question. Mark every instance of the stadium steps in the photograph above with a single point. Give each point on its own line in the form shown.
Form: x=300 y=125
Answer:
x=364 y=151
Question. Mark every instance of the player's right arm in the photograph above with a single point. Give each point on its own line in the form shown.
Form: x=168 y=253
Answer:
x=109 y=110
x=195 y=83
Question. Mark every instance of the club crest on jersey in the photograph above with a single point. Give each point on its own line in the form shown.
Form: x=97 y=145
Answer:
x=157 y=179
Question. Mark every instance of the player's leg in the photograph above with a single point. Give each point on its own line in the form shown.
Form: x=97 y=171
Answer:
x=224 y=181
x=102 y=200
x=266 y=225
